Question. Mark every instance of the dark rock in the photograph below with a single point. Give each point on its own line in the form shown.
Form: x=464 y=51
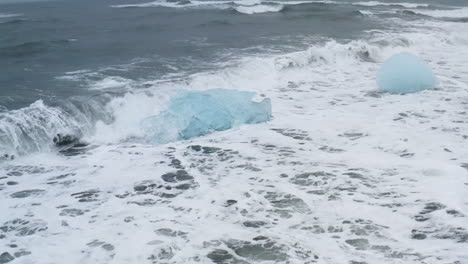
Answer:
x=5 y=257
x=69 y=145
x=12 y=183
x=7 y=157
x=65 y=140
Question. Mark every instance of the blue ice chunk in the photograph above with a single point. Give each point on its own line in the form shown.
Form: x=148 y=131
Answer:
x=405 y=73
x=193 y=114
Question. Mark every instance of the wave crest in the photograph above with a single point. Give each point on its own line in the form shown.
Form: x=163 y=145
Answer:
x=257 y=9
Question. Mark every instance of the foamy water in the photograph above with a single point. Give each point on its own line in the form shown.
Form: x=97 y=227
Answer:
x=341 y=174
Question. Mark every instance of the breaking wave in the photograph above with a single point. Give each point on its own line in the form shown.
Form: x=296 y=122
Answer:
x=405 y=5
x=256 y=9
x=450 y=13
x=249 y=7
x=114 y=117
x=33 y=128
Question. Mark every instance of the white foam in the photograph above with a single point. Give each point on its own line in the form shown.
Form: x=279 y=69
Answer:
x=111 y=82
x=191 y=4
x=378 y=161
x=6 y=15
x=128 y=112
x=256 y=9
x=32 y=128
x=454 y=13
x=248 y=2
x=377 y=3
x=261 y=74
x=246 y=7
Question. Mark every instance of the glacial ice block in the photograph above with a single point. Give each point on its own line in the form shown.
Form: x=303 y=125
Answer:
x=195 y=113
x=405 y=73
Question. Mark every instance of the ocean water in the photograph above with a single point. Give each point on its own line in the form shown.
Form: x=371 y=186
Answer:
x=340 y=174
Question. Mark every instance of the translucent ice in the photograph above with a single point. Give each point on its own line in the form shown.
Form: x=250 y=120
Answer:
x=405 y=73
x=193 y=114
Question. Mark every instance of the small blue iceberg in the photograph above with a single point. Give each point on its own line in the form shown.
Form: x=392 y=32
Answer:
x=192 y=114
x=405 y=73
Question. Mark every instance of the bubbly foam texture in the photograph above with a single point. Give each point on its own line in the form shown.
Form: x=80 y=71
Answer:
x=128 y=112
x=341 y=174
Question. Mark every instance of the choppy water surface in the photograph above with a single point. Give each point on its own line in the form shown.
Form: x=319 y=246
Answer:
x=341 y=174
